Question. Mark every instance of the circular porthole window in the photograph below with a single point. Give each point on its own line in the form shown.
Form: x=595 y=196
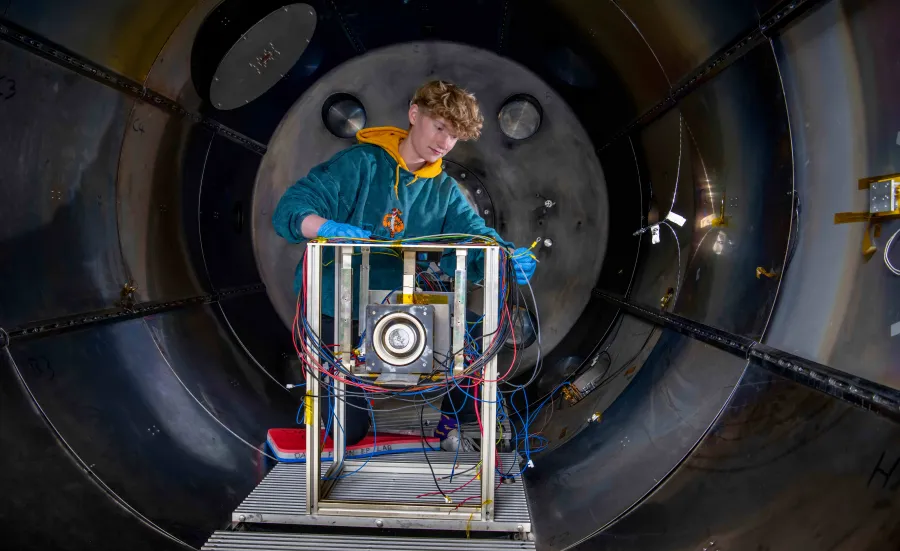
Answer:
x=520 y=117
x=343 y=115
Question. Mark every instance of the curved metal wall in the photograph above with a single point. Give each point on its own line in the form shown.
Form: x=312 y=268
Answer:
x=783 y=467
x=59 y=251
x=155 y=422
x=125 y=36
x=840 y=73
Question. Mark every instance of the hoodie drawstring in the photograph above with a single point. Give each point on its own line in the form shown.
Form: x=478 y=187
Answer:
x=397 y=182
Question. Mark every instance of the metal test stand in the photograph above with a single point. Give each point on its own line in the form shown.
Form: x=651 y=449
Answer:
x=476 y=514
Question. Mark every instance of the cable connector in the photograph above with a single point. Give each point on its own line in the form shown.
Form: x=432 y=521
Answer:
x=530 y=464
x=289 y=386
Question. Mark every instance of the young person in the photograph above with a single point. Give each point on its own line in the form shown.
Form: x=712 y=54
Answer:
x=391 y=186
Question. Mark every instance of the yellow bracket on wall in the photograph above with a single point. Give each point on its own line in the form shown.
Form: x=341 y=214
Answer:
x=871 y=219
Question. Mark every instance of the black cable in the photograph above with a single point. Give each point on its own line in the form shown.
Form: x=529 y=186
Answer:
x=625 y=365
x=425 y=453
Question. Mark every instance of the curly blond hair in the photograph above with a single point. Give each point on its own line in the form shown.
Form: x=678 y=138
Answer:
x=445 y=100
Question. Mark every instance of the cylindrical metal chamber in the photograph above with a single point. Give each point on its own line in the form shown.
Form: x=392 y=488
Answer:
x=691 y=155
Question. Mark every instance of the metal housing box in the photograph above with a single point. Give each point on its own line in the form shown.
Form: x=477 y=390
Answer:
x=414 y=327
x=883 y=196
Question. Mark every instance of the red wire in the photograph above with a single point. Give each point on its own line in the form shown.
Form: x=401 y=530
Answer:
x=449 y=491
x=307 y=356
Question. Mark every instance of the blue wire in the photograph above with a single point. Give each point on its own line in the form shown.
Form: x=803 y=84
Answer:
x=389 y=295
x=374 y=442
x=459 y=440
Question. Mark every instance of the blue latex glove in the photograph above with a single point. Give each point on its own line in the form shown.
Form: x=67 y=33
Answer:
x=525 y=264
x=335 y=229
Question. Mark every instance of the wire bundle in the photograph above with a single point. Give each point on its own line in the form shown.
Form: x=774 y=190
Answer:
x=320 y=359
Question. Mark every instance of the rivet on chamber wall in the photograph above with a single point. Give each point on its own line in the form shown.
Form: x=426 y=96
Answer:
x=486 y=211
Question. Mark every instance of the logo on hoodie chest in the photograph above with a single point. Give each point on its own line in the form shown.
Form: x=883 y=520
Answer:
x=393 y=222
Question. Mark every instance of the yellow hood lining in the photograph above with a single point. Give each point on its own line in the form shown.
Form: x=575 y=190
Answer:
x=389 y=138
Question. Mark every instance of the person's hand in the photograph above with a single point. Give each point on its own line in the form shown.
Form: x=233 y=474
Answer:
x=525 y=264
x=335 y=229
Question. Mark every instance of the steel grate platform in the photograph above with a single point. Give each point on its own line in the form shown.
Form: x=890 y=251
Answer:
x=256 y=541
x=281 y=497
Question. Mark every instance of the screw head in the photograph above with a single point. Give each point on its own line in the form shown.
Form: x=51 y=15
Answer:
x=486 y=211
x=462 y=176
x=242 y=518
x=478 y=191
x=379 y=523
x=548 y=203
x=548 y=242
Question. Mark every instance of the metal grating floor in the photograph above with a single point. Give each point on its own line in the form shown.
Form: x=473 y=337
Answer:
x=281 y=497
x=256 y=541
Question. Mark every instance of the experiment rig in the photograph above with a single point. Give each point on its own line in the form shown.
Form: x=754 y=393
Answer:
x=412 y=344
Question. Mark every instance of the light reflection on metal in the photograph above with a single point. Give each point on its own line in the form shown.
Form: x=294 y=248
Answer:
x=343 y=115
x=520 y=117
x=721 y=240
x=706 y=179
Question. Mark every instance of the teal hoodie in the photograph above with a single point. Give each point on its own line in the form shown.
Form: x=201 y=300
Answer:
x=369 y=186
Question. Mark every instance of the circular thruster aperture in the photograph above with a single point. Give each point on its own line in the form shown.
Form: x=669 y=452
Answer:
x=399 y=338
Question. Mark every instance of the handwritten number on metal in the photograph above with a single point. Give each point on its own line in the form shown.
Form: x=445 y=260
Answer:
x=7 y=88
